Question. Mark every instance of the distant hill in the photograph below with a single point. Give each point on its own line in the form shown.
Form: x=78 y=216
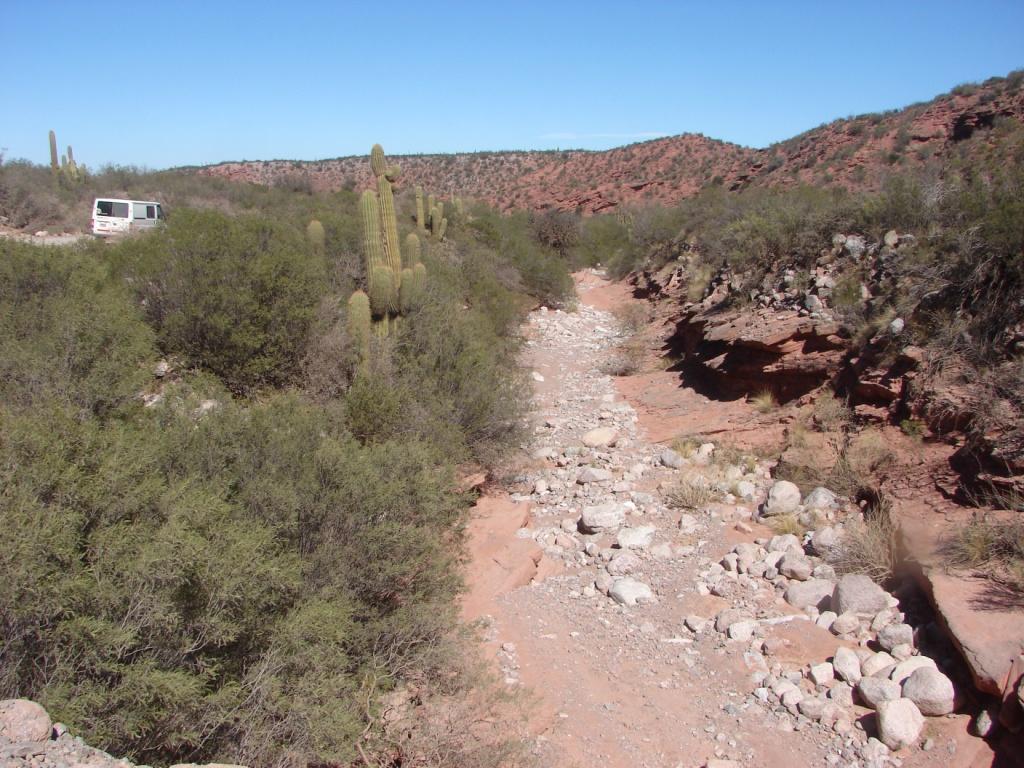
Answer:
x=856 y=153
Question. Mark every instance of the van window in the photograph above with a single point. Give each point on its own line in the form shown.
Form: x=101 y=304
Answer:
x=159 y=211
x=138 y=210
x=150 y=211
x=112 y=208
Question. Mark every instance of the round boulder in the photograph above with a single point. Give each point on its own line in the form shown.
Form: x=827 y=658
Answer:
x=24 y=720
x=857 y=593
x=930 y=690
x=899 y=723
x=783 y=499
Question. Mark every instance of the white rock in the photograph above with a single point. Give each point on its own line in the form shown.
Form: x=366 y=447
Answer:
x=783 y=499
x=600 y=437
x=784 y=542
x=845 y=623
x=602 y=517
x=627 y=591
x=746 y=490
x=672 y=459
x=636 y=538
x=794 y=566
x=23 y=720
x=857 y=593
x=895 y=634
x=821 y=499
x=813 y=592
x=537 y=377
x=899 y=723
x=875 y=663
x=593 y=475
x=695 y=623
x=905 y=669
x=874 y=690
x=742 y=630
x=847 y=665
x=931 y=690
x=822 y=674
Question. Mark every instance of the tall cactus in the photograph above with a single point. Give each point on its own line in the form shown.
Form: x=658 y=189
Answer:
x=54 y=161
x=373 y=240
x=392 y=251
x=442 y=229
x=421 y=224
x=393 y=288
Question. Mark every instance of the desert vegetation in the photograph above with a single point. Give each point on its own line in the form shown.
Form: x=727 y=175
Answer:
x=228 y=534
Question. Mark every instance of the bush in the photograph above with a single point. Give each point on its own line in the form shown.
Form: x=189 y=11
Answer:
x=234 y=296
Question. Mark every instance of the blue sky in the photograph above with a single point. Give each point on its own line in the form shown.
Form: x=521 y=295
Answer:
x=179 y=82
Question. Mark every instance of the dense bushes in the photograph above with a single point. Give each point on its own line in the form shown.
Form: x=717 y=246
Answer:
x=235 y=296
x=242 y=563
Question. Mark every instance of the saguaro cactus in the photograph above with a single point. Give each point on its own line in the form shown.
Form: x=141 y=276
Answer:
x=393 y=287
x=373 y=240
x=377 y=162
x=392 y=251
x=421 y=224
x=54 y=160
x=412 y=250
x=358 y=321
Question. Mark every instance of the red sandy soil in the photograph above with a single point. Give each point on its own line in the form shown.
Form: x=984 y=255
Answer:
x=608 y=690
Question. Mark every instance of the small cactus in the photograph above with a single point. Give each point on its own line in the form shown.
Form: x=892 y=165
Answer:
x=392 y=173
x=359 y=324
x=316 y=236
x=407 y=291
x=383 y=292
x=54 y=161
x=412 y=250
x=421 y=224
x=442 y=229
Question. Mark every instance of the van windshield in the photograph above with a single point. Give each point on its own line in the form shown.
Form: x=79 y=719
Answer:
x=112 y=208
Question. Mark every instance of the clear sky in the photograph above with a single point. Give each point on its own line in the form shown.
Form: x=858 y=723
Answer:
x=177 y=82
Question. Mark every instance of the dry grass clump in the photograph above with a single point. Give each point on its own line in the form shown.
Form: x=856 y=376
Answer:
x=831 y=414
x=632 y=317
x=783 y=524
x=994 y=547
x=871 y=547
x=764 y=401
x=691 y=493
x=627 y=359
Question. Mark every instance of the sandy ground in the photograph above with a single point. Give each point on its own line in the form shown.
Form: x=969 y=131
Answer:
x=624 y=687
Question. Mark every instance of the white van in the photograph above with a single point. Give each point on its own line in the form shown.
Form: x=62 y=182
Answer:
x=120 y=217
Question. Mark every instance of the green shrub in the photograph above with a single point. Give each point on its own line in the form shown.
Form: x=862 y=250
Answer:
x=233 y=296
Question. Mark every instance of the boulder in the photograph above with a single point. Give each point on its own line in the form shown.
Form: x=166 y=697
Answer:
x=872 y=691
x=899 y=723
x=599 y=438
x=593 y=475
x=783 y=499
x=813 y=592
x=728 y=617
x=794 y=566
x=822 y=674
x=857 y=593
x=24 y=720
x=672 y=459
x=905 y=669
x=602 y=517
x=875 y=663
x=635 y=538
x=845 y=623
x=746 y=490
x=784 y=542
x=623 y=562
x=847 y=665
x=892 y=635
x=627 y=591
x=930 y=690
x=825 y=541
x=822 y=499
